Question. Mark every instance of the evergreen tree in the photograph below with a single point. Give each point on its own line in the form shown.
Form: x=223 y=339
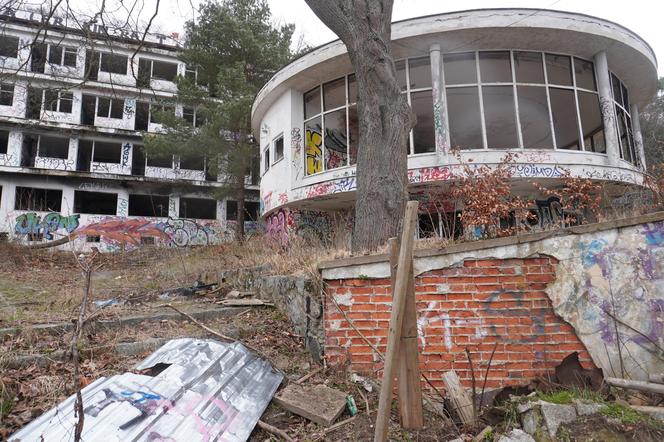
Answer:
x=235 y=49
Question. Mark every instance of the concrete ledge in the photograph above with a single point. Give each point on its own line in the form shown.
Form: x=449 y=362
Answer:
x=499 y=242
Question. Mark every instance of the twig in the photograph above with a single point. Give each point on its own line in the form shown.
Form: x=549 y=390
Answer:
x=472 y=378
x=274 y=430
x=305 y=377
x=364 y=397
x=652 y=341
x=214 y=332
x=486 y=373
x=339 y=424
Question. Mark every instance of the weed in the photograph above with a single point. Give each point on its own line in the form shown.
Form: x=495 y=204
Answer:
x=629 y=416
x=563 y=434
x=363 y=276
x=567 y=396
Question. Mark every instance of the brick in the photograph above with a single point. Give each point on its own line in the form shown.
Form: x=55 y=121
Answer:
x=361 y=290
x=539 y=278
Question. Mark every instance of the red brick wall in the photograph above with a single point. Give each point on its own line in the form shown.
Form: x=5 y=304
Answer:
x=482 y=304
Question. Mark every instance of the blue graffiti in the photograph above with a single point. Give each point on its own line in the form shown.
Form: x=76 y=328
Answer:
x=654 y=234
x=591 y=252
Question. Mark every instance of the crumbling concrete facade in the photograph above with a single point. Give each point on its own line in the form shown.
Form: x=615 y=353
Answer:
x=74 y=108
x=594 y=289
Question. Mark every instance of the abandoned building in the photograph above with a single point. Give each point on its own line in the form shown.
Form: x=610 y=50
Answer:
x=73 y=108
x=562 y=90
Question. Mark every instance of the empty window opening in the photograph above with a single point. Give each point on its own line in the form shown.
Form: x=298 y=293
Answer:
x=162 y=70
x=192 y=116
x=93 y=238
x=142 y=115
x=84 y=155
x=192 y=162
x=113 y=63
x=39 y=200
x=4 y=141
x=198 y=208
x=105 y=152
x=91 y=65
x=53 y=147
x=191 y=73
x=62 y=55
x=34 y=105
x=29 y=150
x=251 y=210
x=8 y=46
x=147 y=241
x=38 y=53
x=156 y=109
x=88 y=103
x=138 y=160
x=266 y=159
x=110 y=107
x=160 y=161
x=148 y=205
x=423 y=133
x=97 y=203
x=6 y=94
x=278 y=148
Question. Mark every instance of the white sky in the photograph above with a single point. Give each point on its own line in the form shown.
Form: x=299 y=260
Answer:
x=645 y=17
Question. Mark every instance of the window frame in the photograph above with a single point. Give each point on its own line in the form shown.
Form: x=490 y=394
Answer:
x=545 y=84
x=61 y=96
x=112 y=54
x=266 y=158
x=63 y=55
x=110 y=107
x=275 y=160
x=18 y=45
x=627 y=121
x=4 y=91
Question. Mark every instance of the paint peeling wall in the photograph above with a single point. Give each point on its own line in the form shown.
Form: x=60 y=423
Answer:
x=608 y=285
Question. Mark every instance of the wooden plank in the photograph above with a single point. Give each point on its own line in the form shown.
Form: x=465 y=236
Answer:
x=410 y=390
x=459 y=397
x=658 y=378
x=396 y=321
x=650 y=387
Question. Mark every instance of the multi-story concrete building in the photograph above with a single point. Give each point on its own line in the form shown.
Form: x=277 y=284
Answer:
x=74 y=105
x=562 y=90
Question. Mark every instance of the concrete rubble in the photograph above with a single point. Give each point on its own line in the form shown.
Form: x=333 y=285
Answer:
x=318 y=403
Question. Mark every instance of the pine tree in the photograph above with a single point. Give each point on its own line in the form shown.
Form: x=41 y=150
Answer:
x=235 y=49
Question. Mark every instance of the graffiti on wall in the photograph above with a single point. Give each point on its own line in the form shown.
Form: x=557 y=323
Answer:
x=278 y=225
x=314 y=151
x=126 y=149
x=46 y=226
x=296 y=154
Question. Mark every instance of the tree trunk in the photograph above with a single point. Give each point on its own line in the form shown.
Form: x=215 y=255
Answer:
x=239 y=228
x=385 y=119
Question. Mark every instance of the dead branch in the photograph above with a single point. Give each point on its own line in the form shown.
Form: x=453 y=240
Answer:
x=486 y=373
x=636 y=385
x=274 y=430
x=307 y=376
x=472 y=376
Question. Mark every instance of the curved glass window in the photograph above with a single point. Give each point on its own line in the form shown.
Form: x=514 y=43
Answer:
x=522 y=99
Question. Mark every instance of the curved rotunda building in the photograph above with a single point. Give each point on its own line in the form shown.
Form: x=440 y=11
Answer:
x=563 y=90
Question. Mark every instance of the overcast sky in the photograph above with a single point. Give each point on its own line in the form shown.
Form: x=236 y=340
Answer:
x=645 y=17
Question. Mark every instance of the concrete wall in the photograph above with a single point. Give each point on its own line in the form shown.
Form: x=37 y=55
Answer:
x=539 y=296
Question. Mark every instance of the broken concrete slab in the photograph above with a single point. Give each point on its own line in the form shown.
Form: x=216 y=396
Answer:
x=585 y=408
x=318 y=403
x=556 y=414
x=516 y=435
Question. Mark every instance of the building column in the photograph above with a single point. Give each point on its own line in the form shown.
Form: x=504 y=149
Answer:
x=123 y=203
x=173 y=206
x=638 y=138
x=440 y=121
x=607 y=107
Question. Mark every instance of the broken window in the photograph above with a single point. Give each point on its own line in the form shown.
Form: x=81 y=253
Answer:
x=62 y=55
x=163 y=70
x=38 y=57
x=584 y=73
x=9 y=46
x=143 y=75
x=495 y=67
x=96 y=203
x=113 y=63
x=499 y=117
x=110 y=107
x=88 y=103
x=192 y=162
x=53 y=147
x=29 y=150
x=190 y=73
x=6 y=94
x=57 y=101
x=423 y=134
x=198 y=208
x=266 y=159
x=160 y=161
x=156 y=109
x=39 y=200
x=563 y=111
x=192 y=116
x=105 y=152
x=465 y=118
x=591 y=122
x=138 y=160
x=623 y=121
x=34 y=105
x=278 y=148
x=4 y=141
x=148 y=205
x=534 y=117
x=335 y=140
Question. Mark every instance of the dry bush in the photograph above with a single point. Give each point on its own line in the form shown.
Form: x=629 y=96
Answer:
x=577 y=196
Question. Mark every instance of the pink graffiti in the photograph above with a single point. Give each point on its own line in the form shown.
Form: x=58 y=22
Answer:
x=427 y=174
x=283 y=198
x=320 y=189
x=278 y=225
x=267 y=201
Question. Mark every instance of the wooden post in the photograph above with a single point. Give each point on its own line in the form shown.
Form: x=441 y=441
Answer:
x=396 y=321
x=410 y=390
x=460 y=398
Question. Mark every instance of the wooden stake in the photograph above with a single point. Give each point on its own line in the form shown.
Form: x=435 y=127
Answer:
x=459 y=397
x=410 y=390
x=396 y=321
x=636 y=385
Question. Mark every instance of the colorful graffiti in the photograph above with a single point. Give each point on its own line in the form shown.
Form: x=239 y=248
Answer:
x=35 y=225
x=177 y=232
x=427 y=174
x=536 y=170
x=314 y=151
x=278 y=225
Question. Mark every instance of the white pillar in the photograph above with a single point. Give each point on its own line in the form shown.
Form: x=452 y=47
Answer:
x=440 y=120
x=123 y=203
x=607 y=107
x=638 y=138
